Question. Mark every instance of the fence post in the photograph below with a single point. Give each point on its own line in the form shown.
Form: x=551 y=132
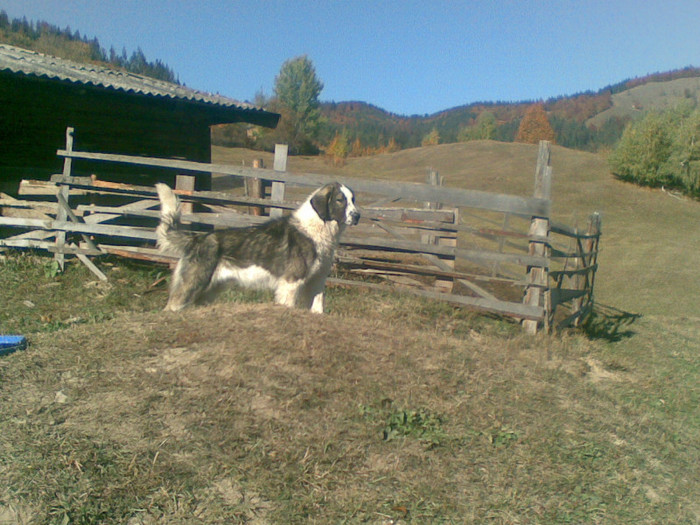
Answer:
x=277 y=193
x=186 y=184
x=64 y=193
x=537 y=293
x=589 y=259
x=254 y=188
x=443 y=284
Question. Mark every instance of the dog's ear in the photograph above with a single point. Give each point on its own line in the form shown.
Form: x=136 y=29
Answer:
x=321 y=201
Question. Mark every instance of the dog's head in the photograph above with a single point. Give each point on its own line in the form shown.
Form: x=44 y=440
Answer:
x=336 y=202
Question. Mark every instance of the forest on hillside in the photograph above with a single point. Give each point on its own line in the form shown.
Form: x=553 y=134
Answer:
x=71 y=45
x=567 y=115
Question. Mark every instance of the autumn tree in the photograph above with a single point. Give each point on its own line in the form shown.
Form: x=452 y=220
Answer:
x=339 y=148
x=535 y=126
x=357 y=149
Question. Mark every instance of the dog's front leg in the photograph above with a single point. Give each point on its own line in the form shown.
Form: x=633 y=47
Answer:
x=287 y=294
x=318 y=303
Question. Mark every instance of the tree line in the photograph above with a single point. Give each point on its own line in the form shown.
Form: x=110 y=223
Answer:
x=65 y=43
x=662 y=149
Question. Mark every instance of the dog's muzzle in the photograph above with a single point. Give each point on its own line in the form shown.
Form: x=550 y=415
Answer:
x=354 y=218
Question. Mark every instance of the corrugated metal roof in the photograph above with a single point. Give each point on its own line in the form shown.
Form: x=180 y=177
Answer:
x=18 y=60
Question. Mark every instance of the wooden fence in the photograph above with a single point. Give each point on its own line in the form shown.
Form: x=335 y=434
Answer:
x=493 y=252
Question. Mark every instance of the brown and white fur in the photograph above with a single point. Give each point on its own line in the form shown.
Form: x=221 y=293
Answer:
x=291 y=255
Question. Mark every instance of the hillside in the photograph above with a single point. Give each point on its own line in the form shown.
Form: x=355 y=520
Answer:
x=650 y=96
x=585 y=121
x=389 y=409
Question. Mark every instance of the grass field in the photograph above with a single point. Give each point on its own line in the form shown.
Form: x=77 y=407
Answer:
x=387 y=410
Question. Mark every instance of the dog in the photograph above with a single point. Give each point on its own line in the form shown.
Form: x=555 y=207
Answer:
x=291 y=255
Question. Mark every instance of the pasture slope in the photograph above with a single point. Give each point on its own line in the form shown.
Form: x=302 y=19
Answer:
x=389 y=409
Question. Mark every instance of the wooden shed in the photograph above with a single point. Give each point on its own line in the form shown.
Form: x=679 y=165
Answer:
x=111 y=111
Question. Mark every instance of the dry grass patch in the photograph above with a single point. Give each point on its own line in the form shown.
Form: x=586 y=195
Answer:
x=259 y=414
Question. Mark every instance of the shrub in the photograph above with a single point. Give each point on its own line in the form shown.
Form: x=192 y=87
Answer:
x=644 y=147
x=682 y=169
x=661 y=149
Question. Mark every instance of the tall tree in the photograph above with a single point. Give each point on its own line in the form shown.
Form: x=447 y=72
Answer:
x=535 y=126
x=297 y=89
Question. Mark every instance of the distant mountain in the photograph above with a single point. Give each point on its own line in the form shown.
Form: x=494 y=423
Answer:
x=586 y=121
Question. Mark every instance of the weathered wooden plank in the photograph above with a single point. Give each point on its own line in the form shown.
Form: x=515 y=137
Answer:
x=93 y=213
x=42 y=208
x=410 y=215
x=227 y=220
x=356 y=262
x=517 y=310
x=37 y=244
x=213 y=197
x=418 y=247
x=63 y=194
x=134 y=252
x=38 y=235
x=91 y=266
x=412 y=191
x=25 y=243
x=131 y=232
x=41 y=188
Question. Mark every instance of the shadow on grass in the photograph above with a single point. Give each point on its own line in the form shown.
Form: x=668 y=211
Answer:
x=610 y=324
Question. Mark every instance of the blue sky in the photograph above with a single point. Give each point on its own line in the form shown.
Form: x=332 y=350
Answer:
x=408 y=57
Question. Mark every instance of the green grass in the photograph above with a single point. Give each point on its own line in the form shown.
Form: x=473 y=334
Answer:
x=390 y=409
x=38 y=298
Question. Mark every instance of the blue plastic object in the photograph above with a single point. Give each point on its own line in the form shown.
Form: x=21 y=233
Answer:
x=11 y=343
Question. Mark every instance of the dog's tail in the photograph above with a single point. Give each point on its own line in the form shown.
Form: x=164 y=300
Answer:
x=172 y=239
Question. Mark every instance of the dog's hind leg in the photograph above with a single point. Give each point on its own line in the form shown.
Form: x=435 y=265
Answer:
x=189 y=284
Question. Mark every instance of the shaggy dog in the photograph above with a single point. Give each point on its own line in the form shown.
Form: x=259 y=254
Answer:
x=291 y=255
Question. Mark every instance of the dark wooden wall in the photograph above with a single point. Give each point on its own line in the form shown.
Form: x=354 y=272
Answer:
x=34 y=114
